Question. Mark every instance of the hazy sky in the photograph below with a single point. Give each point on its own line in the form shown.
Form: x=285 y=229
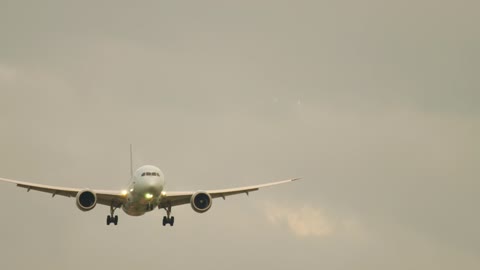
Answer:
x=374 y=103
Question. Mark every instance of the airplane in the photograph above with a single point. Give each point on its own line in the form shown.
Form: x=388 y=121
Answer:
x=145 y=192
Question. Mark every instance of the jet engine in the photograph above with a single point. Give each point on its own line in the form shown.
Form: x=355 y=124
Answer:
x=201 y=202
x=86 y=200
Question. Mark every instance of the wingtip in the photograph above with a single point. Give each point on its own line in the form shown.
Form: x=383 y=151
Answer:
x=296 y=179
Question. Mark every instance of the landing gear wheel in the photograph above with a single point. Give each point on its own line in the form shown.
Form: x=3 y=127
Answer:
x=167 y=219
x=111 y=218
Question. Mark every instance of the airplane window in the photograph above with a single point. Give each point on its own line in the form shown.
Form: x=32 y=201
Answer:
x=143 y=174
x=148 y=173
x=157 y=174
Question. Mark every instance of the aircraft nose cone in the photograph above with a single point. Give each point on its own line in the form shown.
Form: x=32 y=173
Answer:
x=153 y=186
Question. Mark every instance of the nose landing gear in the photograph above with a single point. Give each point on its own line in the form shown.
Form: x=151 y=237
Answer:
x=150 y=207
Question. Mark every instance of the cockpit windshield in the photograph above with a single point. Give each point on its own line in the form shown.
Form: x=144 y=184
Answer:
x=150 y=174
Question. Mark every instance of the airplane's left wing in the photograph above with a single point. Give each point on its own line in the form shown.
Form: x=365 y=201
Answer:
x=183 y=197
x=105 y=197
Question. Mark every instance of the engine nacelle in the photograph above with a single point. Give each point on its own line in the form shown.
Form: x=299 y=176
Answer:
x=201 y=201
x=86 y=200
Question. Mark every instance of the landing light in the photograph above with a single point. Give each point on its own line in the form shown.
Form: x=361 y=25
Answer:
x=124 y=192
x=148 y=196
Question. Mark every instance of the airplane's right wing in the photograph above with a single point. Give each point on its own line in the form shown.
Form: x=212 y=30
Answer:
x=105 y=197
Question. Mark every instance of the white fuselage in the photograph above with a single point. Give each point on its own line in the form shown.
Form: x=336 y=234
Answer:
x=145 y=190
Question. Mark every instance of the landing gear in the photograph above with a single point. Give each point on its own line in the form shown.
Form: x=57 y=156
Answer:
x=168 y=219
x=111 y=218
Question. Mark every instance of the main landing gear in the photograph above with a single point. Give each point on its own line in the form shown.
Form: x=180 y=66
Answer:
x=111 y=218
x=167 y=219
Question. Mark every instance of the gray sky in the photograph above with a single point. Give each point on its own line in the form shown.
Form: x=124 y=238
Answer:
x=374 y=103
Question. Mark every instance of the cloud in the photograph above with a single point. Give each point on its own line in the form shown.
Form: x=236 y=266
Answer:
x=309 y=221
